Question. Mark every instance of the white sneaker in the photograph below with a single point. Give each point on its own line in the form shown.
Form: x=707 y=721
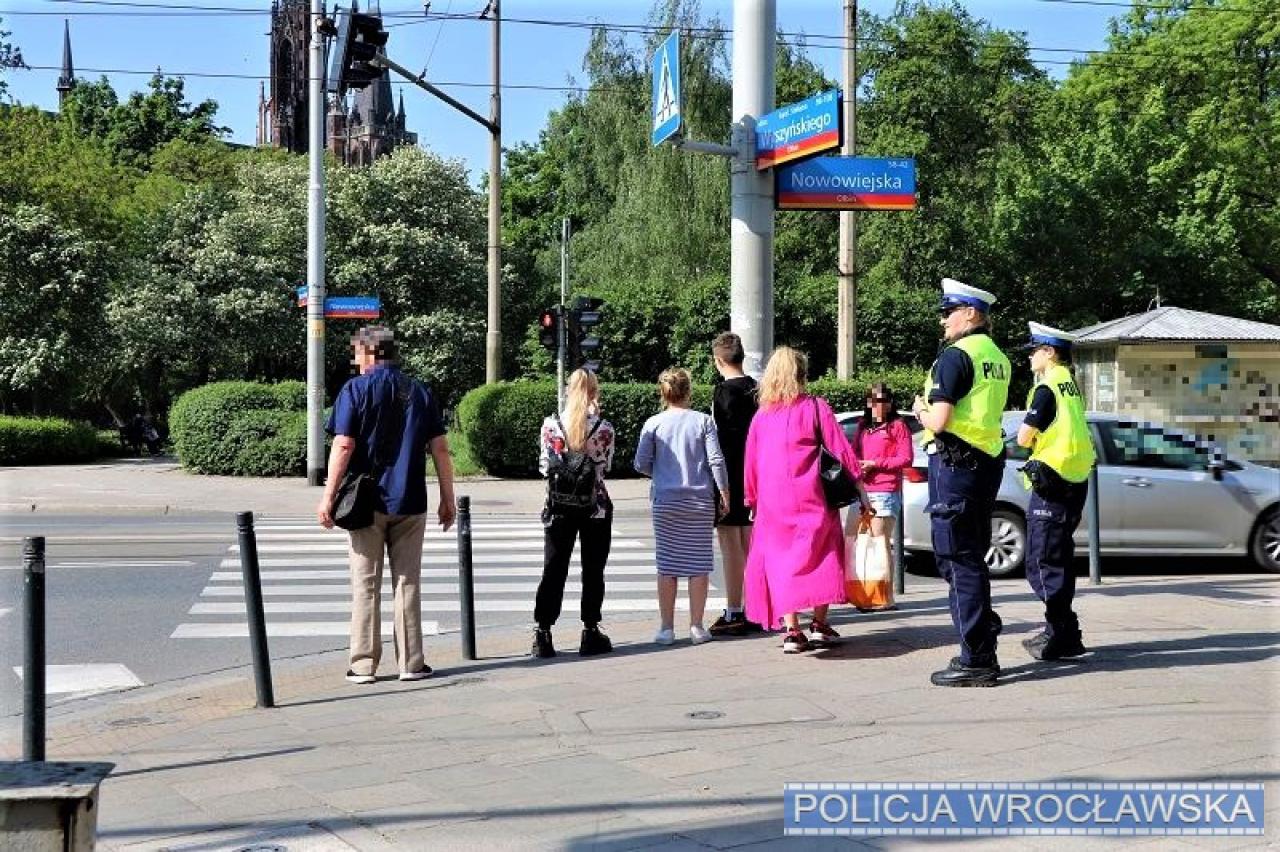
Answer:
x=421 y=674
x=699 y=634
x=352 y=677
x=665 y=636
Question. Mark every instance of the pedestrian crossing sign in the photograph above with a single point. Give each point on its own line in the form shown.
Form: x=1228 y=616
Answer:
x=666 y=90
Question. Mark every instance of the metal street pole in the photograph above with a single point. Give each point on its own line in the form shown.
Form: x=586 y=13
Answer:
x=315 y=253
x=751 y=261
x=847 y=269
x=493 y=341
x=562 y=331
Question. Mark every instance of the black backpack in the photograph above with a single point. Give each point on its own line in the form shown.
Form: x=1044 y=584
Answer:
x=571 y=479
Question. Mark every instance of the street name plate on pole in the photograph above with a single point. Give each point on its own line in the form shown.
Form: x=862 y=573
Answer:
x=799 y=130
x=666 y=90
x=346 y=307
x=847 y=183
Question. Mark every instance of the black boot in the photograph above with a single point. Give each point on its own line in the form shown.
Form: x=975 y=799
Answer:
x=1048 y=648
x=542 y=646
x=594 y=642
x=976 y=673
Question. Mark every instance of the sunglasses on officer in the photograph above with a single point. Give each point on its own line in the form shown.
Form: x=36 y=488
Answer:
x=879 y=399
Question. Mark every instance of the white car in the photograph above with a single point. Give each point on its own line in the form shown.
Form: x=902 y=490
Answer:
x=1161 y=494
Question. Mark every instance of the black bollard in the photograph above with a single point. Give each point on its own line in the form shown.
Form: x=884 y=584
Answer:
x=33 y=705
x=253 y=605
x=899 y=558
x=466 y=588
x=1095 y=546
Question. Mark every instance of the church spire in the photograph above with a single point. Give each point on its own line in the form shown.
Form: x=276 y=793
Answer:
x=68 y=77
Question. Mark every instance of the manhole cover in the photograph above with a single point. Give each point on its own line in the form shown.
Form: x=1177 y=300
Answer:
x=705 y=714
x=263 y=847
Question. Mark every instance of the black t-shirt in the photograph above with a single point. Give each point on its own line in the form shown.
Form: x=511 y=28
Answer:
x=733 y=404
x=1043 y=408
x=952 y=376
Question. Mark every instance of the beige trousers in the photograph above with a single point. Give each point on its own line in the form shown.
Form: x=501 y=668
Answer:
x=400 y=537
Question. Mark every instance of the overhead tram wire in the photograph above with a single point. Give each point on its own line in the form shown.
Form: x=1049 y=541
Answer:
x=403 y=18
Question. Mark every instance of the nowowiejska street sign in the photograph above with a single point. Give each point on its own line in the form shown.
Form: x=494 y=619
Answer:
x=799 y=130
x=847 y=183
x=346 y=307
x=666 y=90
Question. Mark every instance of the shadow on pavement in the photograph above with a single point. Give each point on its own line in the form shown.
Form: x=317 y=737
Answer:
x=1227 y=649
x=211 y=761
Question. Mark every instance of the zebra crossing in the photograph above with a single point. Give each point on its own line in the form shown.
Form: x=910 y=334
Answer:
x=306 y=590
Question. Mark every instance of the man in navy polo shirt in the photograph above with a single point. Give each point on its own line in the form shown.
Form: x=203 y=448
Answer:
x=382 y=398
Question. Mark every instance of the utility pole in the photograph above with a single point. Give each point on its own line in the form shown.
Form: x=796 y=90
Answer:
x=493 y=341
x=751 y=235
x=562 y=336
x=315 y=252
x=847 y=263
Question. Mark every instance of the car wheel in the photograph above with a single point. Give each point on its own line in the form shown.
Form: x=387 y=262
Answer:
x=1265 y=546
x=1008 y=543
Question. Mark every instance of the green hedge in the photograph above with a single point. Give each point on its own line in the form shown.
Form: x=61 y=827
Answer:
x=45 y=440
x=500 y=422
x=241 y=429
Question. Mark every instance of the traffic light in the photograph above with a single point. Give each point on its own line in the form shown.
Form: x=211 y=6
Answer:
x=549 y=328
x=360 y=37
x=583 y=345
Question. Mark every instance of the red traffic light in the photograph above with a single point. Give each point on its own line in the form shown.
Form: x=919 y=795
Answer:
x=548 y=319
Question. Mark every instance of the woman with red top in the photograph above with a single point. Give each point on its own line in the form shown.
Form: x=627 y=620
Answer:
x=882 y=444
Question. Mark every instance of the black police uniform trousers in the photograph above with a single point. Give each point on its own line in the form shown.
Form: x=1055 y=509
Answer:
x=559 y=534
x=961 y=500
x=1051 y=525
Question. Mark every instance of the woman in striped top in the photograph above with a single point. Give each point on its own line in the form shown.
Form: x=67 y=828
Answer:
x=679 y=451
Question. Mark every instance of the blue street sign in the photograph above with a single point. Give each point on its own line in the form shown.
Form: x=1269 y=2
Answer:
x=847 y=183
x=352 y=307
x=799 y=130
x=666 y=89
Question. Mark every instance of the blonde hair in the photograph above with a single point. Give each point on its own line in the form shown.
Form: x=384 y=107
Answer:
x=784 y=377
x=581 y=400
x=675 y=385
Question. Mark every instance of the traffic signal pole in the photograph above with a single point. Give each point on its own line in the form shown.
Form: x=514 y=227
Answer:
x=493 y=338
x=315 y=252
x=562 y=335
x=751 y=259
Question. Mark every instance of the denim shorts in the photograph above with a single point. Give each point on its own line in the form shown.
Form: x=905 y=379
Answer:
x=885 y=504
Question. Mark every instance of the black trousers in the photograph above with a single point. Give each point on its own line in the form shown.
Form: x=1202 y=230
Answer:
x=1050 y=548
x=559 y=533
x=961 y=501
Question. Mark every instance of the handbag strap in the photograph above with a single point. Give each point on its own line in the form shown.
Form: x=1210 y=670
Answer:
x=817 y=425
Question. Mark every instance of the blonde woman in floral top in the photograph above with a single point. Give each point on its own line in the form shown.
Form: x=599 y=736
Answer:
x=579 y=428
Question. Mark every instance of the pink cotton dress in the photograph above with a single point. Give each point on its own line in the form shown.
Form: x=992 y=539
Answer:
x=797 y=557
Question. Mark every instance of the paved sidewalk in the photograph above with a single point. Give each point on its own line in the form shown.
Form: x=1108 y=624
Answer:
x=160 y=486
x=688 y=747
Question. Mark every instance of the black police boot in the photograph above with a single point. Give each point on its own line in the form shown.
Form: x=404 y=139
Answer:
x=542 y=647
x=594 y=642
x=1048 y=648
x=958 y=674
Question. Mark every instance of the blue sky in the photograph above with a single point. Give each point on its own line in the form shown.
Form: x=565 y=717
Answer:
x=453 y=51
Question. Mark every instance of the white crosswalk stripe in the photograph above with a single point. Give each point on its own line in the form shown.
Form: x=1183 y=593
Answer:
x=306 y=592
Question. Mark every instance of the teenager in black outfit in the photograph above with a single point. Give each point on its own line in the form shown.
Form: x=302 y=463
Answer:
x=733 y=406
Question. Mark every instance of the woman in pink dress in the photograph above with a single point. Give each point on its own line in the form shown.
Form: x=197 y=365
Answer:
x=797 y=550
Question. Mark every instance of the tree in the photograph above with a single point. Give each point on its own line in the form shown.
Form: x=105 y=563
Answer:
x=137 y=128
x=10 y=57
x=52 y=289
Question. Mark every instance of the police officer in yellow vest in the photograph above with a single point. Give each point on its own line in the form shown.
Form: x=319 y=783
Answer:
x=964 y=397
x=1058 y=475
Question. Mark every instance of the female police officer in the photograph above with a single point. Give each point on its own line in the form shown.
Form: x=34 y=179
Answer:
x=965 y=395
x=1058 y=475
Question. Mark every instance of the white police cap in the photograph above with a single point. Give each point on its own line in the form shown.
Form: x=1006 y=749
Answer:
x=957 y=294
x=1046 y=335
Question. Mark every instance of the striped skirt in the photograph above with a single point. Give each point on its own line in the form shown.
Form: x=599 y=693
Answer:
x=683 y=532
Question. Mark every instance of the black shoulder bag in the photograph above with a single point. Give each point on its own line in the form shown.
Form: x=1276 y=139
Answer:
x=838 y=487
x=357 y=496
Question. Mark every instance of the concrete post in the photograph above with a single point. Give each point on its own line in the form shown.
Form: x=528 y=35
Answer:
x=751 y=264
x=315 y=253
